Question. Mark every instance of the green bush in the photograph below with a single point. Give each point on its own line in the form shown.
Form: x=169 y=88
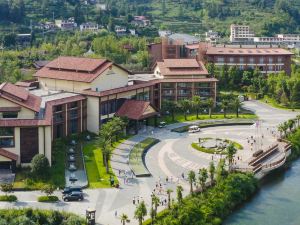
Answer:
x=40 y=166
x=213 y=206
x=8 y=198
x=38 y=217
x=50 y=198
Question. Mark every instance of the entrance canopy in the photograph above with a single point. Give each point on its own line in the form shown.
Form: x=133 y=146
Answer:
x=8 y=155
x=136 y=110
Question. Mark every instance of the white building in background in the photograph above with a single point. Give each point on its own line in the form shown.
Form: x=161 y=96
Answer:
x=93 y=27
x=212 y=36
x=241 y=33
x=68 y=24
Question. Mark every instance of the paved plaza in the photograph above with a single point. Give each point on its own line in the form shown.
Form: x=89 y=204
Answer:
x=171 y=157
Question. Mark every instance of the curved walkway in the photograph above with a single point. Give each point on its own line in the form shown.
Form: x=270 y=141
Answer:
x=169 y=158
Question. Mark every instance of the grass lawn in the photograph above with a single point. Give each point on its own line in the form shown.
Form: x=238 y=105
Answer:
x=275 y=104
x=136 y=162
x=179 y=117
x=56 y=176
x=196 y=146
x=96 y=171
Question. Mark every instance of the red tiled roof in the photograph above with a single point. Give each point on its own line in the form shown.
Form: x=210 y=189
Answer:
x=76 y=63
x=20 y=96
x=135 y=110
x=14 y=90
x=246 y=51
x=75 y=69
x=8 y=154
x=183 y=67
x=10 y=109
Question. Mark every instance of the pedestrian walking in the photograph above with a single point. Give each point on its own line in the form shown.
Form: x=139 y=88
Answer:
x=116 y=213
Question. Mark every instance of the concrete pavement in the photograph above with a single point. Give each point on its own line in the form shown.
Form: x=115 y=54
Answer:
x=169 y=158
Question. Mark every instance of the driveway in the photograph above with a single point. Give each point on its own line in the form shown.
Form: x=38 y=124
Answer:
x=170 y=158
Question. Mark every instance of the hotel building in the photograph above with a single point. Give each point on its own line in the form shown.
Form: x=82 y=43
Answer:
x=71 y=95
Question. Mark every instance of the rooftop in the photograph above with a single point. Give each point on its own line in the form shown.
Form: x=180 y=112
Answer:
x=231 y=50
x=185 y=38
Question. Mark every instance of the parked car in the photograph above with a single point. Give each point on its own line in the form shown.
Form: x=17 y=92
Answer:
x=68 y=190
x=194 y=129
x=162 y=124
x=73 y=196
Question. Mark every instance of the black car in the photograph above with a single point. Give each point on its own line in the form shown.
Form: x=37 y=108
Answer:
x=73 y=196
x=68 y=190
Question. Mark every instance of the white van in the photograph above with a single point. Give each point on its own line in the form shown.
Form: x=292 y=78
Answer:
x=194 y=129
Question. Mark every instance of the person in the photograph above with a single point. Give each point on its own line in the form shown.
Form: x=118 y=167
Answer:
x=133 y=201
x=182 y=175
x=116 y=213
x=167 y=179
x=138 y=200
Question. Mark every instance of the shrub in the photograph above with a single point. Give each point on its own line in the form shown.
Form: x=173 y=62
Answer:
x=49 y=198
x=40 y=166
x=8 y=198
x=6 y=188
x=48 y=189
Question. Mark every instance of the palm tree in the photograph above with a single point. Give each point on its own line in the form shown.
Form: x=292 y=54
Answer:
x=203 y=175
x=237 y=104
x=185 y=105
x=124 y=219
x=105 y=147
x=140 y=212
x=171 y=107
x=197 y=104
x=224 y=106
x=155 y=202
x=210 y=103
x=179 y=194
x=220 y=171
x=212 y=170
x=169 y=191
x=282 y=128
x=290 y=124
x=298 y=119
x=192 y=179
x=230 y=151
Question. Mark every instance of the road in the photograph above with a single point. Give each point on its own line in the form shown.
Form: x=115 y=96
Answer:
x=171 y=157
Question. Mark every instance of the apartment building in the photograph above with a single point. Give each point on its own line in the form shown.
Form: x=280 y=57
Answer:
x=241 y=33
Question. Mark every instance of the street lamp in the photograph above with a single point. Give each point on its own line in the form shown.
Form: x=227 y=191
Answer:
x=90 y=216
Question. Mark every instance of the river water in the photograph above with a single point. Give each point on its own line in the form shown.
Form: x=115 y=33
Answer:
x=277 y=202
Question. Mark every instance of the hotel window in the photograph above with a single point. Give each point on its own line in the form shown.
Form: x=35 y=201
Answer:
x=270 y=68
x=9 y=115
x=270 y=60
x=279 y=59
x=73 y=105
x=261 y=60
x=251 y=60
x=73 y=126
x=241 y=59
x=168 y=85
x=220 y=59
x=7 y=139
x=58 y=108
x=184 y=85
x=231 y=60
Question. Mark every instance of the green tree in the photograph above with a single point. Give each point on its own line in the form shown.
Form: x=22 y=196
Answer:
x=140 y=212
x=124 y=219
x=225 y=105
x=203 y=175
x=220 y=171
x=155 y=202
x=185 y=106
x=192 y=179
x=6 y=188
x=169 y=106
x=48 y=189
x=197 y=104
x=212 y=171
x=40 y=166
x=169 y=191
x=230 y=152
x=237 y=105
x=210 y=103
x=179 y=190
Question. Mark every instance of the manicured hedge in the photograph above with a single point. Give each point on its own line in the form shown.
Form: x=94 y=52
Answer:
x=39 y=217
x=8 y=198
x=50 y=198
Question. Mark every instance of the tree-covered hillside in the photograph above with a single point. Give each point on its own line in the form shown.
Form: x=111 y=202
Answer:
x=267 y=17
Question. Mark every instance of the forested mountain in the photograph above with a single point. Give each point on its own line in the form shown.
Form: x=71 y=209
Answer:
x=267 y=17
